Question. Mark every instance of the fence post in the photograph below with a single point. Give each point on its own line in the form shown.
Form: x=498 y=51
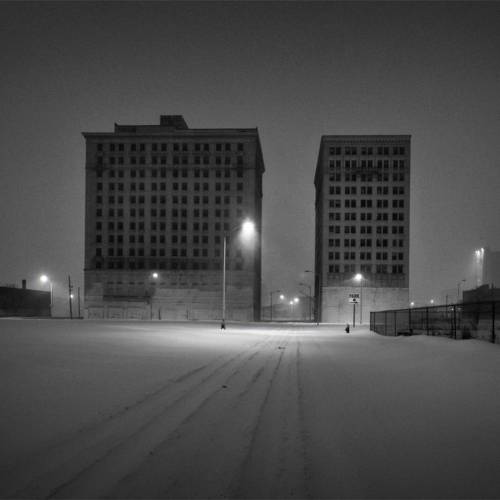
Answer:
x=385 y=323
x=427 y=319
x=493 y=336
x=409 y=321
x=395 y=323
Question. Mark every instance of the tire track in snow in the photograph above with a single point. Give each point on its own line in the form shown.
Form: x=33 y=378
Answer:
x=187 y=463
x=44 y=474
x=275 y=463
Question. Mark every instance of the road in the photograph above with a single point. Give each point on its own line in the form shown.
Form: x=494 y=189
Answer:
x=287 y=411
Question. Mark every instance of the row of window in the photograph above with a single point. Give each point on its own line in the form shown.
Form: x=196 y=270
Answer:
x=363 y=216
x=367 y=190
x=352 y=216
x=367 y=150
x=381 y=177
x=365 y=255
x=161 y=226
x=159 y=252
x=162 y=172
x=176 y=160
x=176 y=186
x=167 y=265
x=366 y=230
x=162 y=186
x=366 y=268
x=160 y=238
x=162 y=212
x=162 y=199
x=366 y=242
x=172 y=146
x=365 y=203
x=369 y=164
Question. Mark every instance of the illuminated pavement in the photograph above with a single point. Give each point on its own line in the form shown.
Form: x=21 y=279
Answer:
x=172 y=410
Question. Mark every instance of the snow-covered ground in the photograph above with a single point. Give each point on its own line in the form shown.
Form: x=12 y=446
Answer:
x=145 y=410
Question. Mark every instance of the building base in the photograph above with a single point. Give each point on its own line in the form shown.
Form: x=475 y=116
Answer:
x=336 y=308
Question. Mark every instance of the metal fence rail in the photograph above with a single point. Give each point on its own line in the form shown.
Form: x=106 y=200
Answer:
x=480 y=320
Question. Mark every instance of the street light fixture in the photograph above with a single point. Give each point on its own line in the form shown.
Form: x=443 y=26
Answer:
x=45 y=279
x=247 y=233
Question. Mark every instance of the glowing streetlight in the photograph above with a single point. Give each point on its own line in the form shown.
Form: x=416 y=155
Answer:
x=296 y=300
x=154 y=276
x=45 y=279
x=412 y=304
x=247 y=234
x=282 y=297
x=359 y=278
x=479 y=262
x=432 y=301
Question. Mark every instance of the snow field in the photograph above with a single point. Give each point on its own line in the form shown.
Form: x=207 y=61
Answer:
x=183 y=410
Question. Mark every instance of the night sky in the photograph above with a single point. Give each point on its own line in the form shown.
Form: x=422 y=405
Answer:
x=294 y=70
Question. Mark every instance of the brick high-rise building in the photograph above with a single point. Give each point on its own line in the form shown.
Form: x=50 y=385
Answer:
x=362 y=225
x=159 y=199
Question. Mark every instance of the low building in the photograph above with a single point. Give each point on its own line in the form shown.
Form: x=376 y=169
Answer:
x=23 y=302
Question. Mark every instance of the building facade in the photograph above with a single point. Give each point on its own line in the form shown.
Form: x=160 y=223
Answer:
x=159 y=201
x=362 y=226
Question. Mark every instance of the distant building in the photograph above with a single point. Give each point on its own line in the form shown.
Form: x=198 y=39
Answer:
x=24 y=302
x=159 y=199
x=362 y=225
x=483 y=293
x=490 y=267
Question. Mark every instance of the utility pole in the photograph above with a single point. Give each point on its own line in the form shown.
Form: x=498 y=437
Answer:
x=70 y=297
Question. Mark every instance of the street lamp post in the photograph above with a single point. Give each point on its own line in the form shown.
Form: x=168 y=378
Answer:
x=360 y=279
x=247 y=229
x=154 y=277
x=45 y=279
x=271 y=295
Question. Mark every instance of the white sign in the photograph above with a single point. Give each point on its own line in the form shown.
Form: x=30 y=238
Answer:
x=354 y=298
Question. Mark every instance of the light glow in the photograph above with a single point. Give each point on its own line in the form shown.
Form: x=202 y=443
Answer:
x=247 y=230
x=154 y=276
x=358 y=277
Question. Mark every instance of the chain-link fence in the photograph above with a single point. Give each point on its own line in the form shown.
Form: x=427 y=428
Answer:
x=480 y=320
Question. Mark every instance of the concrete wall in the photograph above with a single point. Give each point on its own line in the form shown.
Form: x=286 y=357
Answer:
x=335 y=306
x=174 y=297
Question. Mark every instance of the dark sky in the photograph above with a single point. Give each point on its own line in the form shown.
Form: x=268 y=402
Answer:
x=296 y=71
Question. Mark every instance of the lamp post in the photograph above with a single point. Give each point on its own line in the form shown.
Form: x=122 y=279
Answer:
x=247 y=231
x=45 y=279
x=310 y=298
x=360 y=279
x=271 y=296
x=154 y=277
